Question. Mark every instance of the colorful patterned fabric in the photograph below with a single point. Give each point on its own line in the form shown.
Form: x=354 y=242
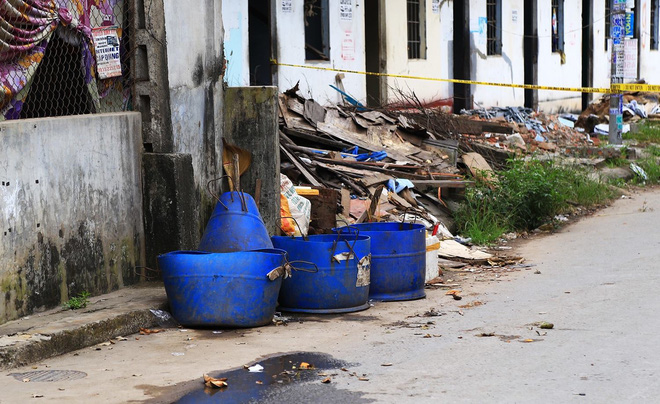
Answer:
x=26 y=27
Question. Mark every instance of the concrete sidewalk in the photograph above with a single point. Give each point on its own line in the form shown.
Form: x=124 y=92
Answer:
x=57 y=331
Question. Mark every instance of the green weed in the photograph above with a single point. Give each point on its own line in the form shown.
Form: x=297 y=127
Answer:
x=647 y=133
x=527 y=195
x=78 y=302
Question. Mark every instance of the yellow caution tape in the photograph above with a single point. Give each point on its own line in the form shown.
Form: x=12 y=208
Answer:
x=616 y=88
x=619 y=88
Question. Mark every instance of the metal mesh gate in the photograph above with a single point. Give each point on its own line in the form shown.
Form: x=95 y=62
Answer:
x=64 y=57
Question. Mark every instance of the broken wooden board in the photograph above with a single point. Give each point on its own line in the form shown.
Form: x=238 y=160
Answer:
x=370 y=178
x=295 y=160
x=357 y=140
x=454 y=249
x=479 y=167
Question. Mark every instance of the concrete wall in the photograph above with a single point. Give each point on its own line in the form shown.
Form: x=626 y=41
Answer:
x=438 y=61
x=552 y=72
x=346 y=52
x=601 y=55
x=649 y=60
x=70 y=209
x=505 y=68
x=195 y=69
x=236 y=42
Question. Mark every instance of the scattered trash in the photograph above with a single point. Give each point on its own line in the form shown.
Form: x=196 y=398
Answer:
x=639 y=171
x=326 y=380
x=147 y=331
x=386 y=364
x=256 y=368
x=213 y=382
x=178 y=354
x=305 y=365
x=546 y=326
x=486 y=334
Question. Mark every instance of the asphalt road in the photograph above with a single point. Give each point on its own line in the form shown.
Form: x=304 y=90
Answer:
x=598 y=285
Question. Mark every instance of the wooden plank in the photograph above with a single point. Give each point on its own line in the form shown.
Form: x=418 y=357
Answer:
x=371 y=179
x=440 y=183
x=357 y=164
x=315 y=138
x=479 y=167
x=295 y=160
x=355 y=139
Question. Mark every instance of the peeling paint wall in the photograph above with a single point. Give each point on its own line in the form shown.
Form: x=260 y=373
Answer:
x=436 y=64
x=236 y=42
x=70 y=209
x=346 y=52
x=552 y=72
x=505 y=68
x=195 y=72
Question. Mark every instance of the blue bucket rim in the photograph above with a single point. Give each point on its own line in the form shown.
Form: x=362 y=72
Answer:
x=330 y=238
x=274 y=251
x=359 y=226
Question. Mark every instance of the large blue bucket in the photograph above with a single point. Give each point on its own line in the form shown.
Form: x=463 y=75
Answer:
x=235 y=225
x=341 y=284
x=222 y=289
x=398 y=259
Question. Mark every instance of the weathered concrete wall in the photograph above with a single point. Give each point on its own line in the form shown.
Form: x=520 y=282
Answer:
x=437 y=61
x=169 y=205
x=236 y=42
x=505 y=68
x=70 y=209
x=346 y=52
x=552 y=72
x=649 y=60
x=252 y=124
x=195 y=70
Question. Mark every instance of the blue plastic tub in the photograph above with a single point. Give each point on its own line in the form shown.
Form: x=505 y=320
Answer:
x=222 y=289
x=398 y=259
x=341 y=284
x=235 y=225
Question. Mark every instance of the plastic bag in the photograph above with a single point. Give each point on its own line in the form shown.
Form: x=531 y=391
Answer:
x=298 y=207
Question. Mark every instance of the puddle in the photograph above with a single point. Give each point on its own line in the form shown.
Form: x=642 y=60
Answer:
x=281 y=380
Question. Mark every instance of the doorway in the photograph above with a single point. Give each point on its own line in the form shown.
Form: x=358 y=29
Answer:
x=374 y=54
x=260 y=39
x=462 y=55
x=587 y=50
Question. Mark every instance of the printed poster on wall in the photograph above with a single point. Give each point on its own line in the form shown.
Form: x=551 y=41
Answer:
x=106 y=45
x=348 y=46
x=287 y=6
x=346 y=10
x=435 y=6
x=630 y=59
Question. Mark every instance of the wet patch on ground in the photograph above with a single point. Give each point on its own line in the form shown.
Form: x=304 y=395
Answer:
x=282 y=379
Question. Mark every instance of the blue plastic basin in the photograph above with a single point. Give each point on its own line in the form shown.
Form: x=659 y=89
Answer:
x=341 y=284
x=398 y=259
x=234 y=226
x=222 y=289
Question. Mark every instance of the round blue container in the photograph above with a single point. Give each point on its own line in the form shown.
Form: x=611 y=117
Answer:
x=341 y=284
x=235 y=227
x=222 y=289
x=398 y=259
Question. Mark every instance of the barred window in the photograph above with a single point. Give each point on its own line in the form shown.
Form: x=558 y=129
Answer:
x=654 y=24
x=494 y=28
x=558 y=26
x=76 y=60
x=416 y=16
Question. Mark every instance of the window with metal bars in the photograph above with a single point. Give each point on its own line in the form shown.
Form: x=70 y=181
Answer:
x=608 y=22
x=416 y=15
x=558 y=26
x=494 y=28
x=654 y=24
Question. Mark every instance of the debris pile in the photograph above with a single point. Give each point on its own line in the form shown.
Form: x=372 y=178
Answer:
x=636 y=106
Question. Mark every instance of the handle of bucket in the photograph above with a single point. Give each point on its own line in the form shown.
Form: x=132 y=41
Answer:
x=241 y=195
x=415 y=214
x=147 y=277
x=316 y=267
x=297 y=224
x=350 y=247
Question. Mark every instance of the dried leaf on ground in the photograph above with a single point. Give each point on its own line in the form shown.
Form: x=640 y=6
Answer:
x=147 y=331
x=305 y=365
x=476 y=303
x=453 y=292
x=326 y=380
x=215 y=382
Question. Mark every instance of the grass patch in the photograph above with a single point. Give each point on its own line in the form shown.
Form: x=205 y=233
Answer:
x=527 y=195
x=653 y=150
x=78 y=302
x=647 y=133
x=652 y=169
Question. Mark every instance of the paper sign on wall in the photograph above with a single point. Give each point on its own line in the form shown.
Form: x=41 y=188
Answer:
x=106 y=46
x=348 y=46
x=435 y=6
x=346 y=10
x=287 y=6
x=630 y=59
